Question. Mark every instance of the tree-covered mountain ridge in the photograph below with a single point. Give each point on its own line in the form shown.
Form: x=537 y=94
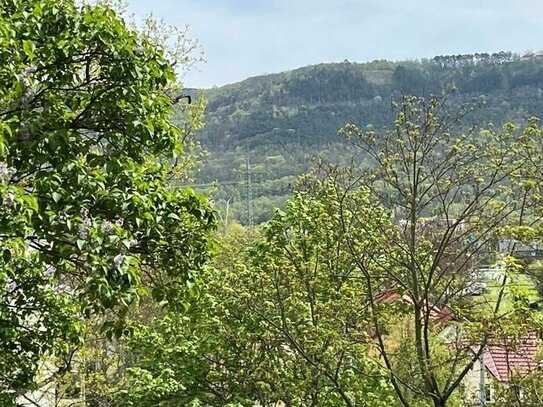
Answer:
x=280 y=121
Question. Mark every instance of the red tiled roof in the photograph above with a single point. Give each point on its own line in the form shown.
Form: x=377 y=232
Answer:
x=503 y=356
x=390 y=297
x=507 y=356
x=438 y=315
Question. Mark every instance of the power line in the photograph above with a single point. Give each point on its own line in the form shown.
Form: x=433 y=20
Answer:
x=207 y=184
x=249 y=193
x=247 y=184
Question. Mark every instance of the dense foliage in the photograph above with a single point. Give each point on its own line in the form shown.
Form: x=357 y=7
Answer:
x=359 y=292
x=88 y=224
x=283 y=318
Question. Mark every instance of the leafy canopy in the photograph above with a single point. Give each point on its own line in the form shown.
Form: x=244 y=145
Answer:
x=88 y=223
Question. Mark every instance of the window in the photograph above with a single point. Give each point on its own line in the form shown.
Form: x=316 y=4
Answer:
x=488 y=393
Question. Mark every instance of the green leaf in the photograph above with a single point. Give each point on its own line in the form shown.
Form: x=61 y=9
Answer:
x=29 y=48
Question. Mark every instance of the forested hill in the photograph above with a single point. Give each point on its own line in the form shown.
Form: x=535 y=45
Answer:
x=281 y=121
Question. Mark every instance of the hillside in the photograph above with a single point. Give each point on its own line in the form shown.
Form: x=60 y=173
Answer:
x=281 y=121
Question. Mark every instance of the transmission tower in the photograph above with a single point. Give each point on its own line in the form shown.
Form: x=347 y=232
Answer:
x=248 y=193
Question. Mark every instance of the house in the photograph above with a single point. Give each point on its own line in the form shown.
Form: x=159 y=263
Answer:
x=439 y=314
x=522 y=250
x=503 y=359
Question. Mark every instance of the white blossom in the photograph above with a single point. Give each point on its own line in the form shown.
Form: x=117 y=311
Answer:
x=27 y=98
x=50 y=270
x=28 y=94
x=8 y=201
x=11 y=285
x=107 y=227
x=25 y=73
x=118 y=260
x=6 y=172
x=84 y=228
x=84 y=212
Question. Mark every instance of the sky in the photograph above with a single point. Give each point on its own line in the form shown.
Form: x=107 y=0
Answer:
x=243 y=38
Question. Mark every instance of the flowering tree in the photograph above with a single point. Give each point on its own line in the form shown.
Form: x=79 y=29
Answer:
x=88 y=223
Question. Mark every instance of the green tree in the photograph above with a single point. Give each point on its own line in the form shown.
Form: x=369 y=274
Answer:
x=88 y=224
x=283 y=318
x=452 y=192
x=306 y=291
x=523 y=391
x=210 y=354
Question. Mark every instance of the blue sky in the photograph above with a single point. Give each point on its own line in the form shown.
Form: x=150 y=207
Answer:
x=242 y=38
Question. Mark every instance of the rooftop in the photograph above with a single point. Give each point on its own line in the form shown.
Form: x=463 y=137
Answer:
x=506 y=356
